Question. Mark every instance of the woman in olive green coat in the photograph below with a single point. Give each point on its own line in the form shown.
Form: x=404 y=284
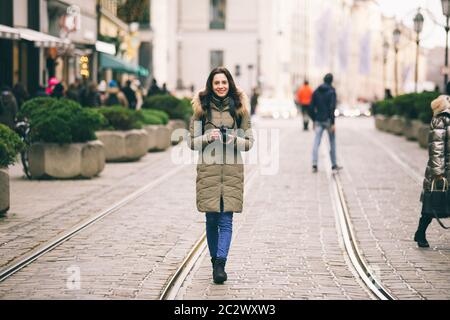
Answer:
x=220 y=130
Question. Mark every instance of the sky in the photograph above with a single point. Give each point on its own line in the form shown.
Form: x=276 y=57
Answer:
x=433 y=34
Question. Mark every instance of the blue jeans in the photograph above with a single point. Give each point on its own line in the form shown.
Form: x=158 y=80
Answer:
x=219 y=229
x=320 y=128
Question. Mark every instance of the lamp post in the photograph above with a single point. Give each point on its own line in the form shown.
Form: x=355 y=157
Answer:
x=446 y=12
x=418 y=27
x=396 y=35
x=385 y=56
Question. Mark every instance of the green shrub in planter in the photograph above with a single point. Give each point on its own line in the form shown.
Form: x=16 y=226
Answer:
x=404 y=105
x=423 y=105
x=64 y=121
x=176 y=109
x=385 y=107
x=155 y=117
x=119 y=118
x=32 y=106
x=10 y=146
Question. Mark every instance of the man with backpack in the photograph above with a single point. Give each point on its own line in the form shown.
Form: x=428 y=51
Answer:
x=323 y=105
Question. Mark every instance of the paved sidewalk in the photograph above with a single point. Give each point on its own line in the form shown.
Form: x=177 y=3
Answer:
x=286 y=246
x=127 y=255
x=382 y=179
x=41 y=210
x=286 y=243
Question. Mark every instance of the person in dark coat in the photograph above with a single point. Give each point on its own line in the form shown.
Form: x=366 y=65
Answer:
x=130 y=95
x=8 y=108
x=21 y=94
x=254 y=101
x=154 y=89
x=40 y=92
x=90 y=96
x=323 y=106
x=438 y=166
x=74 y=91
x=58 y=91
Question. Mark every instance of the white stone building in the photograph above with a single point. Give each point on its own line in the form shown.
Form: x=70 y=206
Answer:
x=277 y=44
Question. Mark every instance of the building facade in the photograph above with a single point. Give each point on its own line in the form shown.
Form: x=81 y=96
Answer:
x=192 y=37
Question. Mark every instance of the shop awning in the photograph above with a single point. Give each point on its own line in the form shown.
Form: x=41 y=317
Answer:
x=105 y=47
x=9 y=33
x=143 y=72
x=108 y=61
x=42 y=40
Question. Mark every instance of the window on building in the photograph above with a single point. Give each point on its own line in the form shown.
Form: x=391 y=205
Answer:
x=217 y=14
x=216 y=59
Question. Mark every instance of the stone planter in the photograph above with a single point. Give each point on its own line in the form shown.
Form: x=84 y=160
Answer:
x=124 y=146
x=381 y=122
x=175 y=125
x=158 y=137
x=412 y=129
x=424 y=130
x=4 y=190
x=396 y=125
x=67 y=161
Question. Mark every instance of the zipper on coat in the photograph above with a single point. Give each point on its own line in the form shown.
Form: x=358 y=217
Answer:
x=221 y=166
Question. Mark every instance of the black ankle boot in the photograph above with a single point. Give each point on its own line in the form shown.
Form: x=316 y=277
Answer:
x=421 y=239
x=213 y=261
x=420 y=236
x=219 y=274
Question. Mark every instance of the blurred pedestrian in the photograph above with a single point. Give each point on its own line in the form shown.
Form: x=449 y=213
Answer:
x=90 y=96
x=254 y=101
x=164 y=89
x=75 y=91
x=154 y=89
x=303 y=100
x=58 y=91
x=51 y=85
x=130 y=94
x=102 y=88
x=21 y=94
x=8 y=108
x=438 y=167
x=40 y=92
x=323 y=106
x=219 y=111
x=115 y=97
x=388 y=94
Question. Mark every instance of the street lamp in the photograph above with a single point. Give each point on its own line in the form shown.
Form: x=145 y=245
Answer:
x=385 y=56
x=396 y=35
x=418 y=27
x=446 y=12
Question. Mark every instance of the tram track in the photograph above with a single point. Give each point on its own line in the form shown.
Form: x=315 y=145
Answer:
x=171 y=289
x=358 y=263
x=29 y=258
x=346 y=228
x=194 y=257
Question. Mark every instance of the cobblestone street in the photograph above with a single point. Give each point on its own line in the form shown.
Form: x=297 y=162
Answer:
x=286 y=244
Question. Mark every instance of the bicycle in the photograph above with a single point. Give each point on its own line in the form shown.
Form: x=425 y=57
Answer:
x=23 y=130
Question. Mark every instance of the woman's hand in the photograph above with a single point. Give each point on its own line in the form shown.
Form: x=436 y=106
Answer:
x=214 y=135
x=230 y=138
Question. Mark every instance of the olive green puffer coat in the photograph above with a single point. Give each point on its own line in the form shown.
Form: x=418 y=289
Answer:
x=220 y=170
x=438 y=143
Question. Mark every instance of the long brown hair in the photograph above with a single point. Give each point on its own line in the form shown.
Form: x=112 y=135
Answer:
x=233 y=93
